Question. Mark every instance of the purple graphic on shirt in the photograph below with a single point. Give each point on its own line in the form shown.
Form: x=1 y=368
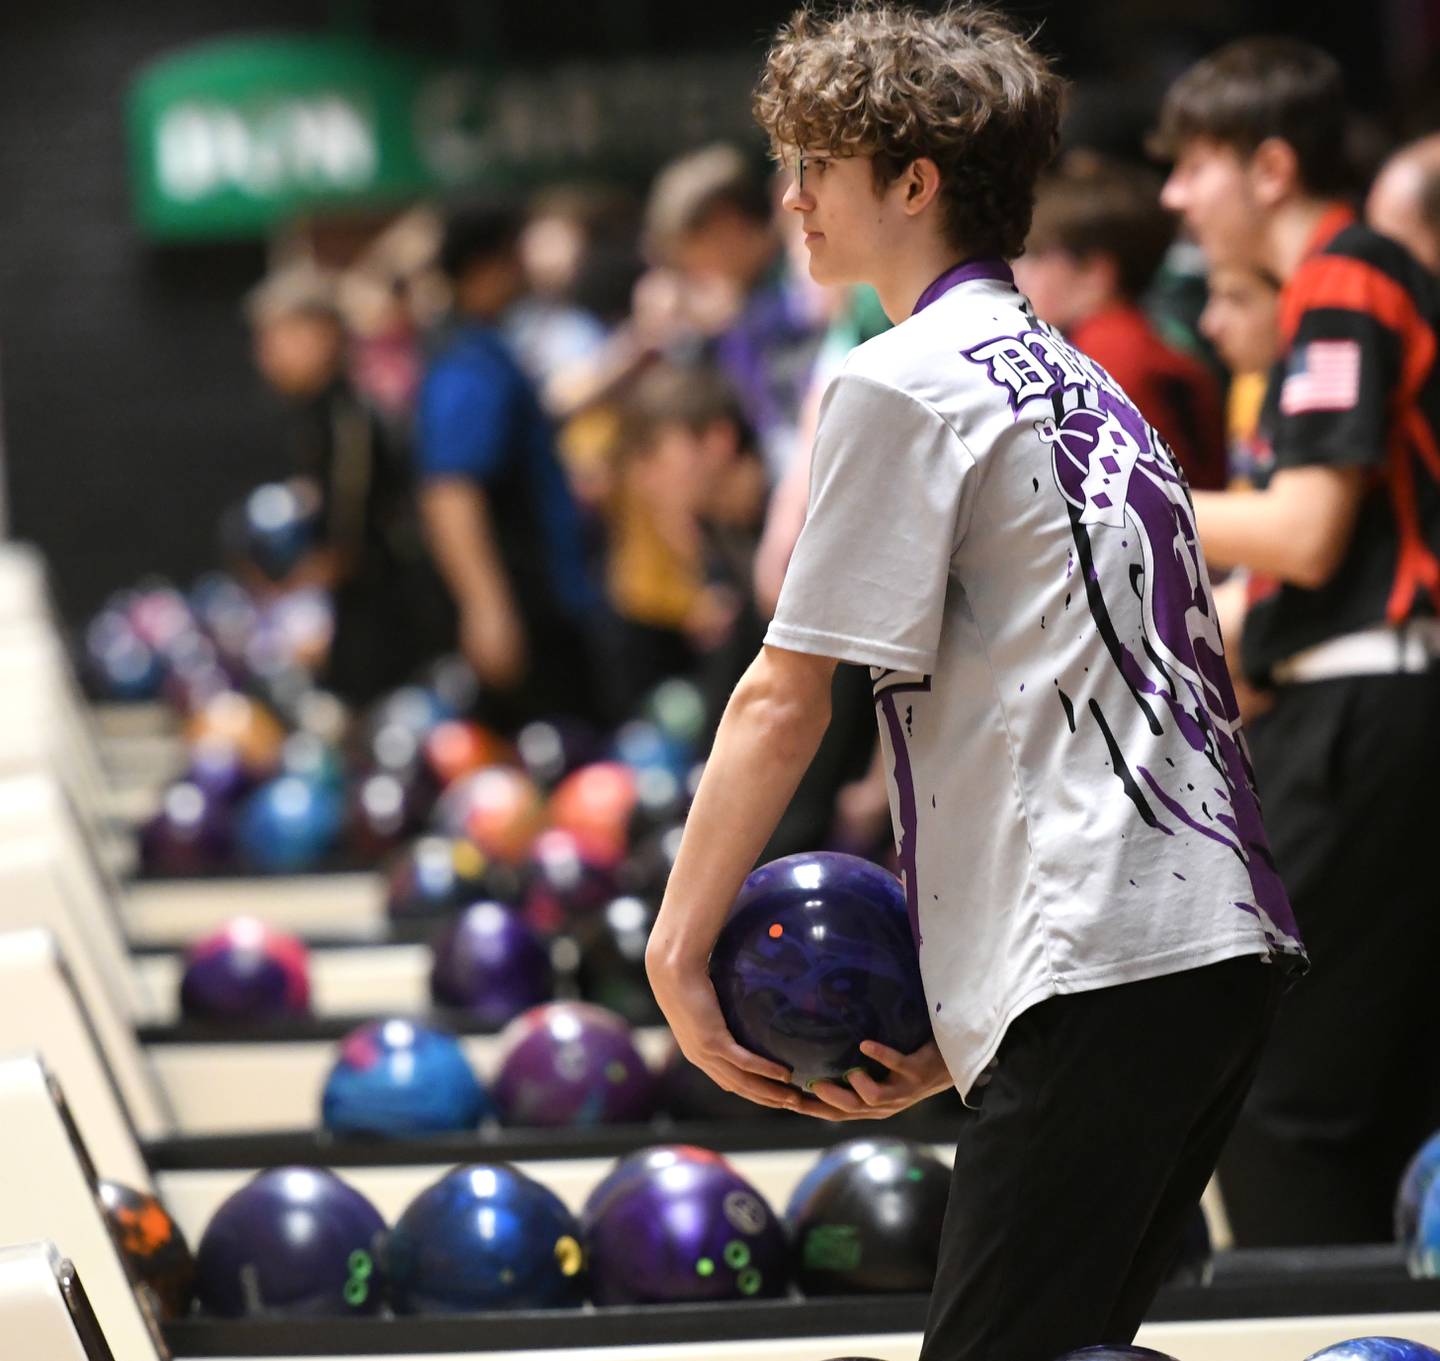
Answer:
x=1119 y=479
x=886 y=687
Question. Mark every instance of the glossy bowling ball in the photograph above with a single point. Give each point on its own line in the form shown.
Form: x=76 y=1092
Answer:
x=412 y=707
x=294 y=1242
x=226 y=612
x=867 y=1219
x=397 y=1077
x=612 y=960
x=688 y=1093
x=294 y=629
x=245 y=971
x=160 y=614
x=383 y=811
x=190 y=834
x=596 y=803
x=646 y=870
x=490 y=964
x=153 y=1247
x=195 y=674
x=452 y=684
x=815 y=957
x=499 y=809
x=1377 y=1349
x=435 y=876
x=219 y=769
x=571 y=1063
x=565 y=882
x=551 y=748
x=687 y=1232
x=289 y=824
x=677 y=707
x=1424 y=1253
x=642 y=745
x=1117 y=1353
x=245 y=724
x=457 y=747
x=275 y=528
x=119 y=663
x=1414 y=1186
x=307 y=756
x=485 y=1237
x=639 y=1165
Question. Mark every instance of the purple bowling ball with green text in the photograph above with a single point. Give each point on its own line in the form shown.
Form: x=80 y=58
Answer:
x=817 y=956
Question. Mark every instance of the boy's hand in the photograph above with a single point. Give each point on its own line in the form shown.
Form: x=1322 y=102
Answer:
x=687 y=998
x=912 y=1078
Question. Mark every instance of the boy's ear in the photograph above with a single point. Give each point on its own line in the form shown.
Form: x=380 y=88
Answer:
x=922 y=184
x=1274 y=171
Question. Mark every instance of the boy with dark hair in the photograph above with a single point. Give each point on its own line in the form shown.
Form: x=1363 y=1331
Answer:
x=1096 y=242
x=998 y=535
x=501 y=520
x=1340 y=546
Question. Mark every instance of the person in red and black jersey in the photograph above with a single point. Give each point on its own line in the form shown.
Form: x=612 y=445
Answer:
x=1340 y=558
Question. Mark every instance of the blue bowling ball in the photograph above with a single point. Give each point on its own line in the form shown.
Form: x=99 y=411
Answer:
x=485 y=1237
x=643 y=745
x=1377 y=1349
x=294 y=1242
x=397 y=1077
x=1116 y=1354
x=121 y=664
x=278 y=526
x=1413 y=1188
x=289 y=824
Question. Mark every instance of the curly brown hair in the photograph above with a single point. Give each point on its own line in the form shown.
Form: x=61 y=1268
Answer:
x=962 y=87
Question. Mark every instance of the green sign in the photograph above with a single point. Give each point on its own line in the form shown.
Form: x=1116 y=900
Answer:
x=233 y=137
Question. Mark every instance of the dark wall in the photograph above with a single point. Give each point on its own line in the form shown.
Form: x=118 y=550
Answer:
x=131 y=416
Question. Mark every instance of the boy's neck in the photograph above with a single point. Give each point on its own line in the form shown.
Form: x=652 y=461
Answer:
x=911 y=273
x=1289 y=232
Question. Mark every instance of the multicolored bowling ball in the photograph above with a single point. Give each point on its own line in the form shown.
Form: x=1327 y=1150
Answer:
x=1377 y=1349
x=490 y=964
x=867 y=1219
x=677 y=707
x=501 y=810
x=612 y=960
x=485 y=1237
x=1117 y=1353
x=294 y=1242
x=383 y=812
x=289 y=824
x=1414 y=1186
x=457 y=747
x=688 y=1232
x=160 y=614
x=565 y=882
x=551 y=748
x=276 y=527
x=244 y=723
x=596 y=803
x=571 y=1063
x=153 y=1247
x=119 y=663
x=815 y=957
x=397 y=1077
x=638 y=1166
x=435 y=876
x=190 y=833
x=245 y=971
x=689 y=1094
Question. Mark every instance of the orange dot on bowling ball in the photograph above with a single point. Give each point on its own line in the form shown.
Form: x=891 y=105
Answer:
x=776 y=931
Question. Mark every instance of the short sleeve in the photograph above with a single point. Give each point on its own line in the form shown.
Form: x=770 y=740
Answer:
x=1331 y=400
x=465 y=421
x=870 y=571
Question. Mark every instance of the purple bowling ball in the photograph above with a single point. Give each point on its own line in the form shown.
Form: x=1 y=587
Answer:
x=218 y=767
x=491 y=964
x=685 y=1231
x=296 y=1242
x=245 y=971
x=189 y=835
x=1118 y=1353
x=816 y=956
x=571 y=1063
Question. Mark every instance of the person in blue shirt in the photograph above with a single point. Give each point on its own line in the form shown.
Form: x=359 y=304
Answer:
x=504 y=528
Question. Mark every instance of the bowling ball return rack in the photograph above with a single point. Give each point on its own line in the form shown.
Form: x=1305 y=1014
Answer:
x=1247 y=1285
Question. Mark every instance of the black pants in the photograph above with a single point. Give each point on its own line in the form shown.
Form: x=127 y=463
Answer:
x=1349 y=776
x=1092 y=1145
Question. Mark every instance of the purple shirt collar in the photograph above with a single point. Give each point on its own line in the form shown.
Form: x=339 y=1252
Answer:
x=978 y=268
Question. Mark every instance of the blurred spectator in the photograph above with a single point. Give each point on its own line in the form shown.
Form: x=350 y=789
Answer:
x=1097 y=238
x=1404 y=201
x=503 y=525
x=710 y=220
x=390 y=611
x=1342 y=543
x=1241 y=320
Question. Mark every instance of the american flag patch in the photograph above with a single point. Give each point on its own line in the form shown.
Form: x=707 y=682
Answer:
x=1324 y=376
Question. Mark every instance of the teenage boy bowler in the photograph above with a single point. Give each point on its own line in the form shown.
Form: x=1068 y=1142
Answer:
x=995 y=532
